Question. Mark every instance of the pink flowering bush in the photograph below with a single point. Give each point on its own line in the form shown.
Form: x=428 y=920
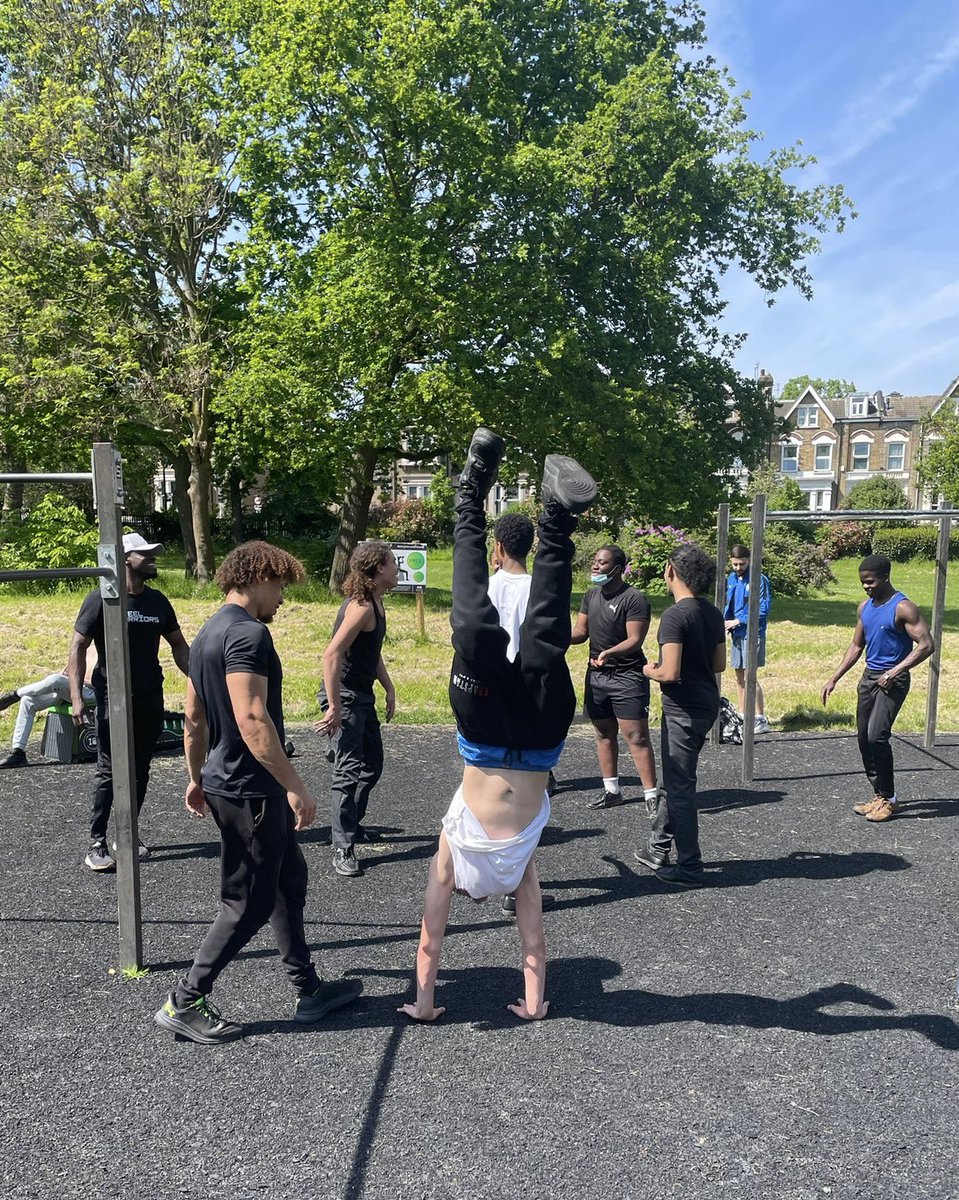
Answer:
x=647 y=547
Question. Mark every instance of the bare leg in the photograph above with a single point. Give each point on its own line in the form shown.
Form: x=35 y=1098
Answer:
x=607 y=746
x=741 y=688
x=529 y=921
x=636 y=734
x=436 y=914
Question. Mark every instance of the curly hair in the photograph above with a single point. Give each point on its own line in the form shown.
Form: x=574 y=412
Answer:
x=256 y=562
x=516 y=532
x=359 y=584
x=694 y=567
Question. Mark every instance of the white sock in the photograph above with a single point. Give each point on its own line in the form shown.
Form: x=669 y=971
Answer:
x=893 y=799
x=650 y=793
x=612 y=785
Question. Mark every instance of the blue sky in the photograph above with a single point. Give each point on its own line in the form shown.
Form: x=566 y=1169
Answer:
x=872 y=90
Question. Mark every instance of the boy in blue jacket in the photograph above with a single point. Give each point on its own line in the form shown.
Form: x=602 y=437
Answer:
x=736 y=614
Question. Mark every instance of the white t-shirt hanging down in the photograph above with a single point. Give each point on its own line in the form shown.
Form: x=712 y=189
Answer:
x=510 y=595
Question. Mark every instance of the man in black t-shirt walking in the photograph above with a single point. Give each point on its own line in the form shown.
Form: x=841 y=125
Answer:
x=240 y=773
x=150 y=616
x=615 y=619
x=692 y=651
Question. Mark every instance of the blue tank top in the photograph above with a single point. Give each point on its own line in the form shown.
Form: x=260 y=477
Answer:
x=885 y=644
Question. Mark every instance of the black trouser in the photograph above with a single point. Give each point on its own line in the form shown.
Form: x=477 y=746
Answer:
x=875 y=713
x=356 y=752
x=528 y=703
x=263 y=877
x=147 y=724
x=683 y=735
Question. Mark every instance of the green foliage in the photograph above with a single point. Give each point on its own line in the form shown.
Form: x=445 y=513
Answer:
x=54 y=534
x=587 y=544
x=877 y=492
x=440 y=504
x=939 y=469
x=901 y=543
x=647 y=547
x=782 y=495
x=845 y=539
x=828 y=389
x=405 y=521
x=794 y=567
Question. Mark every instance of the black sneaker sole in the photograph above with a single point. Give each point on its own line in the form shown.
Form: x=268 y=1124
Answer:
x=483 y=458
x=183 y=1030
x=566 y=483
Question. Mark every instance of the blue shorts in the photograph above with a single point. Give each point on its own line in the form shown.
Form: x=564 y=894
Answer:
x=475 y=754
x=738 y=657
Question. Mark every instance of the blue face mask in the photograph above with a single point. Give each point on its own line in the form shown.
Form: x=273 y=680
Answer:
x=599 y=579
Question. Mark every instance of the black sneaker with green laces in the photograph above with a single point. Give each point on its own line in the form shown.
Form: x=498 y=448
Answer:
x=199 y=1021
x=328 y=997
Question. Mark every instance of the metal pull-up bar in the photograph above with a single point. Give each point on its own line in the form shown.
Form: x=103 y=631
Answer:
x=107 y=480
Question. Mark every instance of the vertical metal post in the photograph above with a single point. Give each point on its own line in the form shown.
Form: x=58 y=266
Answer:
x=108 y=496
x=722 y=542
x=938 y=611
x=752 y=632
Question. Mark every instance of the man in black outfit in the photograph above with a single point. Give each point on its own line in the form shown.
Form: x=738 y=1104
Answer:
x=692 y=642
x=240 y=773
x=150 y=616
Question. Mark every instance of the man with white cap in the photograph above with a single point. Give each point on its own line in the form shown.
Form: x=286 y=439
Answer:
x=150 y=616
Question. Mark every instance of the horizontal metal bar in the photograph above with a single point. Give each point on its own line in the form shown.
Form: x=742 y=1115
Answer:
x=57 y=573
x=69 y=477
x=854 y=514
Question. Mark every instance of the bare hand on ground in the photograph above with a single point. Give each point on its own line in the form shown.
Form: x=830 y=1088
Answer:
x=420 y=1014
x=519 y=1009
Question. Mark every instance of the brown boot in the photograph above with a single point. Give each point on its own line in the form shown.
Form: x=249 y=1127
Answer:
x=885 y=810
x=868 y=805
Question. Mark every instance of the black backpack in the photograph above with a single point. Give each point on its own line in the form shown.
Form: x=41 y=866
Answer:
x=730 y=724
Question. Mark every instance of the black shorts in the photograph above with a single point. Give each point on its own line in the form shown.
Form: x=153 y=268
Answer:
x=620 y=694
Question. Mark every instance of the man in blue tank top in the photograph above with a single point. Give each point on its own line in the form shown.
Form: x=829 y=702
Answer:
x=896 y=638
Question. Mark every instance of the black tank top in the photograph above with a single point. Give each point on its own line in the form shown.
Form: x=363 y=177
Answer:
x=362 y=658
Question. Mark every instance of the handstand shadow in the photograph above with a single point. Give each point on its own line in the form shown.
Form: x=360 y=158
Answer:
x=724 y=799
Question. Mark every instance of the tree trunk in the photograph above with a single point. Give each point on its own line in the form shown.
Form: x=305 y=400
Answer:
x=201 y=481
x=184 y=509
x=354 y=513
x=236 y=508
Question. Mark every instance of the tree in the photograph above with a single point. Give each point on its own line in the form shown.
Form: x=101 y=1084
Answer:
x=876 y=492
x=509 y=213
x=828 y=389
x=939 y=469
x=110 y=115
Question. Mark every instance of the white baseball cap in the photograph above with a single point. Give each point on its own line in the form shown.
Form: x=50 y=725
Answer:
x=133 y=542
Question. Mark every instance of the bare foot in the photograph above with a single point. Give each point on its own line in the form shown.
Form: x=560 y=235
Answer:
x=519 y=1009
x=422 y=1015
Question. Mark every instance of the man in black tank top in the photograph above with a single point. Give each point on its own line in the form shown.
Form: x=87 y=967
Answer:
x=352 y=662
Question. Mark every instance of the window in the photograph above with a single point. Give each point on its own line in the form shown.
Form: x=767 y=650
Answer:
x=896 y=456
x=823 y=461
x=857 y=406
x=860 y=456
x=807 y=416
x=789 y=463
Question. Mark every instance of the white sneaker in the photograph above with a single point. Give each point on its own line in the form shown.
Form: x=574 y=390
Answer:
x=761 y=725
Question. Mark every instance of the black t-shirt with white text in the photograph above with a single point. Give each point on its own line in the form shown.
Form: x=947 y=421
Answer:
x=607 y=617
x=150 y=616
x=232 y=642
x=698 y=627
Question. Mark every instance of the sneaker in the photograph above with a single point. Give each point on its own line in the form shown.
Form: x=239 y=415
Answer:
x=8 y=698
x=482 y=461
x=868 y=805
x=607 y=800
x=327 y=997
x=99 y=857
x=199 y=1021
x=681 y=876
x=552 y=787
x=508 y=904
x=142 y=850
x=761 y=725
x=566 y=483
x=654 y=859
x=344 y=862
x=885 y=810
x=16 y=758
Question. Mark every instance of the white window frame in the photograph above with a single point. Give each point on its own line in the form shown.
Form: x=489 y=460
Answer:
x=824 y=445
x=858 y=406
x=857 y=446
x=793 y=457
x=807 y=416
x=900 y=445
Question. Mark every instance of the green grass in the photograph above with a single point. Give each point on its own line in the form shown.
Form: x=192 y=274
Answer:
x=807 y=638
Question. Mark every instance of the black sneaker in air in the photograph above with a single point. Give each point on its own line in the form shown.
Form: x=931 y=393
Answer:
x=566 y=483
x=482 y=462
x=199 y=1021
x=99 y=857
x=344 y=862
x=326 y=999
x=8 y=698
x=16 y=758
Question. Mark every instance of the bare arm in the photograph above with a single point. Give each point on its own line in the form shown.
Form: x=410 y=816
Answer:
x=635 y=636
x=529 y=921
x=248 y=698
x=850 y=658
x=915 y=625
x=669 y=667
x=719 y=658
x=357 y=618
x=436 y=914
x=384 y=677
x=181 y=650
x=76 y=671
x=195 y=740
x=580 y=632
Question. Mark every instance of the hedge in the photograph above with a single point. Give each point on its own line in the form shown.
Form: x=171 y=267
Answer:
x=904 y=543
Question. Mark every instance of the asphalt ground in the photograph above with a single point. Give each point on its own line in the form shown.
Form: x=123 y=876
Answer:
x=790 y=1031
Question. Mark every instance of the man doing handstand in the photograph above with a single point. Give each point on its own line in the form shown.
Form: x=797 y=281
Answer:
x=512 y=718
